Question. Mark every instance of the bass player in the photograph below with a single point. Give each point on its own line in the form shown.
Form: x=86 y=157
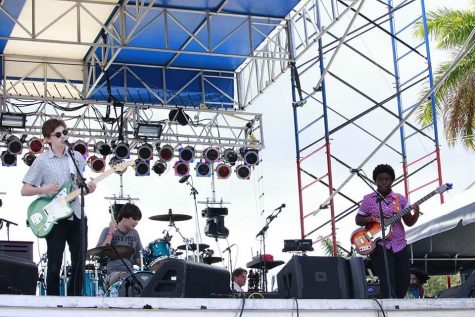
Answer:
x=396 y=246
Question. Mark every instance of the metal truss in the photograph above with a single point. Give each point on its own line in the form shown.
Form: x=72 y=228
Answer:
x=101 y=122
x=365 y=76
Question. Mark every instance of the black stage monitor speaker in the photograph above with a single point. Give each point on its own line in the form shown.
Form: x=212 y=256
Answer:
x=314 y=277
x=17 y=249
x=17 y=276
x=466 y=290
x=358 y=278
x=179 y=278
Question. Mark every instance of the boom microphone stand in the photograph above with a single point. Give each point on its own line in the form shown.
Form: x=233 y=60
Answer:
x=380 y=199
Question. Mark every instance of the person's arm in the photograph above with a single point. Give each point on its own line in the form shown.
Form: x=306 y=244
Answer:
x=362 y=220
x=411 y=218
x=109 y=234
x=30 y=190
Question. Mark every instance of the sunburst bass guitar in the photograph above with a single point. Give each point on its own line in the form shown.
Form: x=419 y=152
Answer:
x=44 y=212
x=364 y=239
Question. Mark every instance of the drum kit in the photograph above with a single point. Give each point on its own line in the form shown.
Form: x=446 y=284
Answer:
x=151 y=258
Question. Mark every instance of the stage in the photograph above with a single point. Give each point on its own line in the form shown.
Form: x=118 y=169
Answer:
x=23 y=305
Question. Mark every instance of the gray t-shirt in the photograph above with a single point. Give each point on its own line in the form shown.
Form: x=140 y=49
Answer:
x=49 y=168
x=131 y=239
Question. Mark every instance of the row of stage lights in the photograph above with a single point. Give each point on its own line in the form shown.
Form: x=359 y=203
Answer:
x=225 y=160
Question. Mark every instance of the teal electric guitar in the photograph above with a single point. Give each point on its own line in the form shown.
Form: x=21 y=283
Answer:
x=44 y=212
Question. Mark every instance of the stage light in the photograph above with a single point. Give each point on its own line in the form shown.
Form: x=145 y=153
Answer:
x=12 y=120
x=145 y=152
x=223 y=171
x=165 y=153
x=96 y=164
x=230 y=156
x=203 y=169
x=215 y=228
x=148 y=131
x=210 y=212
x=186 y=154
x=102 y=148
x=114 y=161
x=121 y=150
x=14 y=145
x=250 y=156
x=8 y=159
x=211 y=154
x=181 y=168
x=35 y=145
x=159 y=167
x=243 y=171
x=81 y=147
x=142 y=168
x=29 y=158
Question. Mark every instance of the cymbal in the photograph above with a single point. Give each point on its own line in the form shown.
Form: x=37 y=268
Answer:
x=212 y=259
x=192 y=247
x=178 y=253
x=170 y=217
x=123 y=251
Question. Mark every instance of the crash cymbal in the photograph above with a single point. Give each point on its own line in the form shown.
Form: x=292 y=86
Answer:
x=123 y=251
x=178 y=253
x=192 y=247
x=170 y=217
x=212 y=259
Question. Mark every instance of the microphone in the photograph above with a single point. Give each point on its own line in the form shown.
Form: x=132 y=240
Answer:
x=280 y=207
x=66 y=142
x=184 y=179
x=355 y=170
x=229 y=248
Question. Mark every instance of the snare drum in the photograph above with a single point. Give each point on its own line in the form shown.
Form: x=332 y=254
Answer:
x=156 y=249
x=128 y=286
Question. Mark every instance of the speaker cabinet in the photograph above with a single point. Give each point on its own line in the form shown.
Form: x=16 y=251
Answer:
x=17 y=249
x=466 y=290
x=179 y=278
x=322 y=278
x=17 y=276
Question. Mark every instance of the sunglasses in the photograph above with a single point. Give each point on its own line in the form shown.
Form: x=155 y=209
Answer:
x=58 y=134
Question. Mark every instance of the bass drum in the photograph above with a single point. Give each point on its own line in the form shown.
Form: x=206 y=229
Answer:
x=128 y=287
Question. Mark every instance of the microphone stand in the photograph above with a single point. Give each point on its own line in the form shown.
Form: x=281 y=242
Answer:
x=194 y=192
x=82 y=256
x=262 y=233
x=380 y=199
x=136 y=280
x=8 y=222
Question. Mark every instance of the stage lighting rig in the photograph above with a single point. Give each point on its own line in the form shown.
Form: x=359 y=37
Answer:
x=243 y=171
x=250 y=156
x=12 y=120
x=96 y=164
x=186 y=154
x=223 y=171
x=148 y=131
x=102 y=148
x=81 y=147
x=121 y=150
x=165 y=153
x=211 y=154
x=14 y=145
x=8 y=159
x=35 y=145
x=142 y=168
x=29 y=158
x=230 y=156
x=145 y=152
x=181 y=168
x=203 y=169
x=159 y=167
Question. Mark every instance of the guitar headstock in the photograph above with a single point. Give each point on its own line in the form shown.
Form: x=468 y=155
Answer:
x=443 y=188
x=120 y=167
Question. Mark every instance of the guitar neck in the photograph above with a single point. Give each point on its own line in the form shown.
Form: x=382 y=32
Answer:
x=72 y=195
x=396 y=217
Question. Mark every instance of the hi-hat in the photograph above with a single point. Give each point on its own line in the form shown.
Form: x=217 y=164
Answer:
x=212 y=259
x=192 y=247
x=123 y=251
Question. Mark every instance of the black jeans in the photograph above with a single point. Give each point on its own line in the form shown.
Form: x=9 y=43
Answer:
x=66 y=231
x=399 y=271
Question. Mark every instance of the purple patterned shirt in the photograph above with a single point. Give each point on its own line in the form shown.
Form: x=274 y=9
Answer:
x=370 y=207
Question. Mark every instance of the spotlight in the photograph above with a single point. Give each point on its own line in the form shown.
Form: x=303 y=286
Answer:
x=165 y=153
x=178 y=115
x=145 y=152
x=14 y=145
x=12 y=120
x=148 y=131
x=142 y=168
x=251 y=156
x=186 y=154
x=81 y=147
x=35 y=145
x=215 y=228
x=223 y=171
x=8 y=159
x=121 y=150
x=230 y=156
x=211 y=154
x=29 y=158
x=243 y=171
x=181 y=168
x=203 y=169
x=102 y=148
x=114 y=161
x=96 y=164
x=159 y=167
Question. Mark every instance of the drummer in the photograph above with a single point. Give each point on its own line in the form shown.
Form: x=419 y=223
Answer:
x=122 y=233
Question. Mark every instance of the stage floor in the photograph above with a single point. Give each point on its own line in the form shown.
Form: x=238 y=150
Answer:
x=23 y=305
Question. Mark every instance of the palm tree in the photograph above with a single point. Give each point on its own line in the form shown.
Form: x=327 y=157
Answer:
x=455 y=99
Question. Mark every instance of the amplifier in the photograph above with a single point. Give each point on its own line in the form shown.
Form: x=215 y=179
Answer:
x=17 y=249
x=298 y=245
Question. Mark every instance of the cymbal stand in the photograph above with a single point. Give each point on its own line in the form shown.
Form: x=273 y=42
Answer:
x=186 y=241
x=194 y=192
x=95 y=259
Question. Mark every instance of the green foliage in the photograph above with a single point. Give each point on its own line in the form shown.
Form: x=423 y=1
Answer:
x=439 y=283
x=455 y=99
x=327 y=246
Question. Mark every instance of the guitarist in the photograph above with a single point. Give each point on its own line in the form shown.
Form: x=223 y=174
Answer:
x=396 y=246
x=48 y=173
